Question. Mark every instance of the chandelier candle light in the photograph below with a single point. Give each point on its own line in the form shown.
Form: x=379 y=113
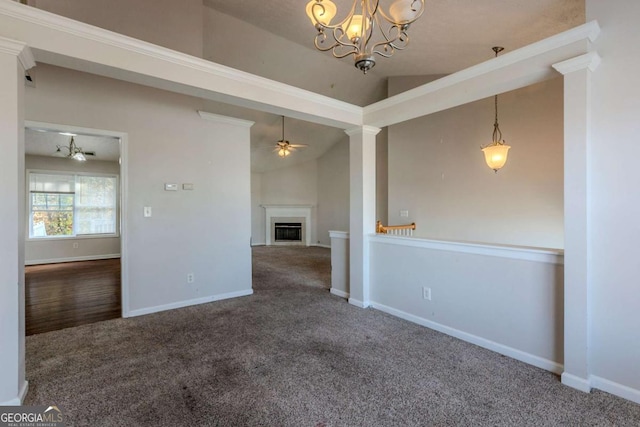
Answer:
x=495 y=153
x=356 y=34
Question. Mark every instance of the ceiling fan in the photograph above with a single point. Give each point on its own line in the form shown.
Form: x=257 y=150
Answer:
x=284 y=147
x=73 y=151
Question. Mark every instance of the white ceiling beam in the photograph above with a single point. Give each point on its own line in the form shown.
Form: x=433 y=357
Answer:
x=522 y=67
x=71 y=44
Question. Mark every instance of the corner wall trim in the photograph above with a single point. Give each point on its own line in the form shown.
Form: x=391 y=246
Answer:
x=615 y=388
x=339 y=293
x=71 y=259
x=181 y=304
x=358 y=303
x=576 y=382
x=17 y=401
x=531 y=359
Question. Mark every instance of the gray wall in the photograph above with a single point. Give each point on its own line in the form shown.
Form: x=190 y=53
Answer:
x=205 y=231
x=333 y=191
x=173 y=24
x=438 y=173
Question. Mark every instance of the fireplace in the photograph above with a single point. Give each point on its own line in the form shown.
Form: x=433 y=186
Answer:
x=288 y=231
x=294 y=222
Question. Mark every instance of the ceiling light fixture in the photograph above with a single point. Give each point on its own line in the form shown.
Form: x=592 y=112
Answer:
x=284 y=147
x=495 y=153
x=75 y=152
x=355 y=34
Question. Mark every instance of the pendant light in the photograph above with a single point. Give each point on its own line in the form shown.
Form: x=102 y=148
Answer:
x=495 y=153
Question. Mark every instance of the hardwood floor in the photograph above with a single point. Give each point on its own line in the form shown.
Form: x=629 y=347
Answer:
x=59 y=296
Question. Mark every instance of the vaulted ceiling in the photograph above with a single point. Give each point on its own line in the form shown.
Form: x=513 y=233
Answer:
x=274 y=39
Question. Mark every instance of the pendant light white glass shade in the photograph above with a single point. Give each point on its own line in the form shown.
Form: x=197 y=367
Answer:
x=496 y=155
x=283 y=152
x=324 y=12
x=353 y=29
x=403 y=11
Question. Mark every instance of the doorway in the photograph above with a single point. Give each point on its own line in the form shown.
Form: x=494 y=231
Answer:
x=75 y=227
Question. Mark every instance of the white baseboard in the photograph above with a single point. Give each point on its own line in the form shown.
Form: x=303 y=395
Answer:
x=258 y=244
x=615 y=388
x=576 y=382
x=358 y=303
x=520 y=355
x=71 y=259
x=339 y=293
x=17 y=401
x=320 y=245
x=181 y=304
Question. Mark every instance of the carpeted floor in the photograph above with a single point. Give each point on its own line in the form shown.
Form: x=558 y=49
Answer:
x=294 y=355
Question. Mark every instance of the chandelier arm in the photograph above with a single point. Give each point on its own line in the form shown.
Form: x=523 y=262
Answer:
x=390 y=43
x=333 y=26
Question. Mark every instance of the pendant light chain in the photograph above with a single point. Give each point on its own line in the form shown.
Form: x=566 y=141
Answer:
x=497 y=133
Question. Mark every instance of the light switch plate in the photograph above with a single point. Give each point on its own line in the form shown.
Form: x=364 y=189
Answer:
x=170 y=187
x=147 y=211
x=187 y=186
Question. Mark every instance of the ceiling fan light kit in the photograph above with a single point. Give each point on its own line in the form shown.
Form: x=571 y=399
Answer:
x=284 y=147
x=368 y=29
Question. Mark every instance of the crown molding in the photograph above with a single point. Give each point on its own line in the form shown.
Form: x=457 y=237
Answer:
x=588 y=61
x=217 y=118
x=525 y=65
x=217 y=82
x=19 y=49
x=365 y=129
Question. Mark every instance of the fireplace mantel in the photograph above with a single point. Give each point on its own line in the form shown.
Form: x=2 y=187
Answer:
x=287 y=211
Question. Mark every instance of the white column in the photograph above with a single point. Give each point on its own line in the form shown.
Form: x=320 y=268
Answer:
x=362 y=209
x=577 y=106
x=15 y=58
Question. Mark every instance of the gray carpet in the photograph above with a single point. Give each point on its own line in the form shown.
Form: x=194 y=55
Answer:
x=294 y=355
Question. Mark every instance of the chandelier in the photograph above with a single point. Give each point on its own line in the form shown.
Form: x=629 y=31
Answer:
x=356 y=34
x=495 y=153
x=74 y=152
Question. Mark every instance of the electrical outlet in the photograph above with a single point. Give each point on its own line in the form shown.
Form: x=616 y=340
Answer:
x=75 y=245
x=426 y=293
x=190 y=278
x=404 y=213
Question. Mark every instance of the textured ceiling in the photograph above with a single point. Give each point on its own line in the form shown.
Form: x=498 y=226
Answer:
x=450 y=36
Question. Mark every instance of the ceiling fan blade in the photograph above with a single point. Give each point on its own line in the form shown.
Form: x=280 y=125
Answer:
x=298 y=145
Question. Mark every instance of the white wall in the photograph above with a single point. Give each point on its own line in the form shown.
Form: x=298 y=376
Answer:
x=168 y=23
x=333 y=191
x=511 y=303
x=437 y=171
x=205 y=231
x=614 y=199
x=40 y=251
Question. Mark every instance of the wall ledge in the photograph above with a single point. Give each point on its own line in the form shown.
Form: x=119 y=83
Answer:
x=338 y=234
x=525 y=253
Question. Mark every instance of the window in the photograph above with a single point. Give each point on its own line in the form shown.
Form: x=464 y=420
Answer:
x=70 y=205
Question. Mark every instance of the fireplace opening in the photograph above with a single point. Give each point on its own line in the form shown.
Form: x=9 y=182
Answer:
x=288 y=231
